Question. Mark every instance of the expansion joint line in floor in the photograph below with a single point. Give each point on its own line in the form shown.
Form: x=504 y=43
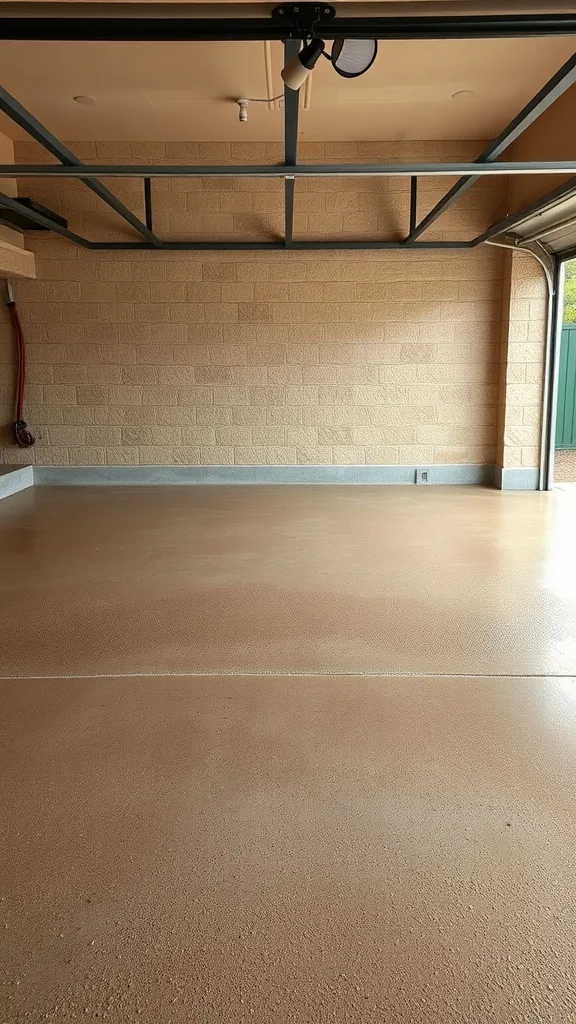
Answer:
x=287 y=674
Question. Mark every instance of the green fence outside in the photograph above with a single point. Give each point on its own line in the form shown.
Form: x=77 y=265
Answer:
x=566 y=415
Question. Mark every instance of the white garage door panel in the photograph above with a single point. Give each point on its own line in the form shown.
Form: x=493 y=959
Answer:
x=555 y=227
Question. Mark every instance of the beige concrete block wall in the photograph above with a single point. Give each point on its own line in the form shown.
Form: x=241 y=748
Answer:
x=522 y=362
x=261 y=358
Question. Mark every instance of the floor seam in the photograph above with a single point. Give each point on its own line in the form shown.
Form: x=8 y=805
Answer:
x=281 y=674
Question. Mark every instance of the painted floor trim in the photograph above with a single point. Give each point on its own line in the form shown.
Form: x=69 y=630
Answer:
x=16 y=478
x=206 y=475
x=517 y=479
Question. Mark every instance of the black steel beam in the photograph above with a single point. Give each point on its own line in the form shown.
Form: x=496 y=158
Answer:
x=564 y=78
x=175 y=246
x=22 y=117
x=289 y=184
x=8 y=203
x=234 y=29
x=413 y=202
x=148 y=202
x=532 y=210
x=311 y=245
x=291 y=106
x=439 y=170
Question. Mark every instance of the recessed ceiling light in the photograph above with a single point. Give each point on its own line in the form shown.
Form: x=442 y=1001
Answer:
x=462 y=94
x=85 y=101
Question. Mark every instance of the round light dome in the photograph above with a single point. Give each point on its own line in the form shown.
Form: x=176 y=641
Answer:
x=353 y=57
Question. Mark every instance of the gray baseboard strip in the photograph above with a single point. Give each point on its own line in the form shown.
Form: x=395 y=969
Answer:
x=14 y=479
x=17 y=478
x=522 y=479
x=116 y=476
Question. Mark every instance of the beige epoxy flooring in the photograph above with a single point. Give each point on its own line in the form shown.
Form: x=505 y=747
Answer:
x=248 y=849
x=394 y=848
x=304 y=579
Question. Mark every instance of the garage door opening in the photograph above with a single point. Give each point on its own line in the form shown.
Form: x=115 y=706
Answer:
x=565 y=426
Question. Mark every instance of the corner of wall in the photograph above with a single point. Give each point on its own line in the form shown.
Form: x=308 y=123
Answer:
x=523 y=348
x=10 y=187
x=15 y=261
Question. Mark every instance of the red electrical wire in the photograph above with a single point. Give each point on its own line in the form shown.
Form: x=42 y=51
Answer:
x=22 y=436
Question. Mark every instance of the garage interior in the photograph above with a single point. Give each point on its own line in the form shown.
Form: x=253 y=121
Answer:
x=289 y=633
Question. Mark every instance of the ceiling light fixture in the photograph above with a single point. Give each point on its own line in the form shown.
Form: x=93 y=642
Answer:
x=296 y=71
x=350 y=58
x=353 y=57
x=85 y=101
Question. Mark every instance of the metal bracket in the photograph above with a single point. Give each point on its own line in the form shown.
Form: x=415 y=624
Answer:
x=302 y=18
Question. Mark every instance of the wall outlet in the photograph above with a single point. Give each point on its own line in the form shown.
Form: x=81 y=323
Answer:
x=422 y=475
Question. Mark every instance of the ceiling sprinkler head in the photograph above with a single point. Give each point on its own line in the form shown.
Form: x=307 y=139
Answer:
x=243 y=115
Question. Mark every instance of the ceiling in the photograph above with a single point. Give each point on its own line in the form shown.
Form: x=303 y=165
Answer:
x=186 y=91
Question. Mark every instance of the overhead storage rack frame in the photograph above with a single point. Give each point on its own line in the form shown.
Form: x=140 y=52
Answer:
x=76 y=25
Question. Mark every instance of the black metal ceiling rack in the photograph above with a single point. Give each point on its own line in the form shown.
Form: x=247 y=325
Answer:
x=99 y=27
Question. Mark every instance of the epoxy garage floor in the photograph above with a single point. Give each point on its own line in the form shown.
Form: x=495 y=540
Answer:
x=288 y=754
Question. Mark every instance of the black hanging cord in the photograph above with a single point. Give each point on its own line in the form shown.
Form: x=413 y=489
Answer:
x=22 y=436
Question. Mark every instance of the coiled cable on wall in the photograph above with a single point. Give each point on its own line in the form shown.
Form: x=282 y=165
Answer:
x=20 y=432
